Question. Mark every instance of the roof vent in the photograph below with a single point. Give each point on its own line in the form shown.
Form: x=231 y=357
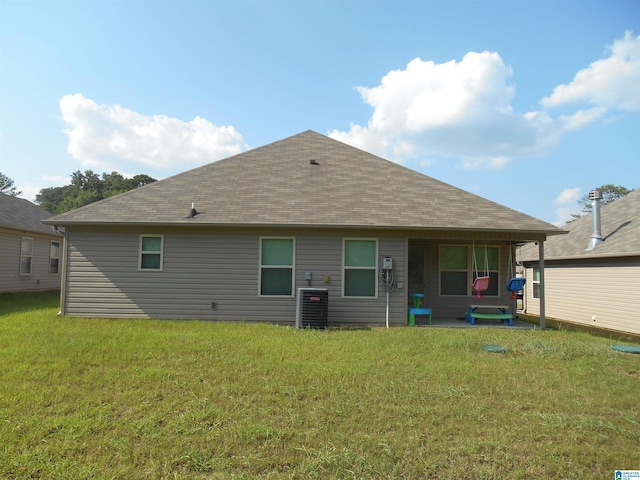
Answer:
x=313 y=162
x=596 y=236
x=192 y=213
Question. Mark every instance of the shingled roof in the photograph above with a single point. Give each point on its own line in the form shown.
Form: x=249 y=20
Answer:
x=620 y=229
x=306 y=180
x=20 y=214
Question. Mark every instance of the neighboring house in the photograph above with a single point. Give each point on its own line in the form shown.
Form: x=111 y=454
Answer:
x=598 y=287
x=30 y=252
x=306 y=211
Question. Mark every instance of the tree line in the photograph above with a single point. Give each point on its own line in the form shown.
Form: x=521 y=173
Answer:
x=85 y=188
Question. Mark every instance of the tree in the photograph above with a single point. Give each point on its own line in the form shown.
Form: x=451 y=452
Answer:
x=6 y=186
x=609 y=193
x=86 y=188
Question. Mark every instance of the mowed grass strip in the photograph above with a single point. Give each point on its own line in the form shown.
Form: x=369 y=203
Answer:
x=125 y=399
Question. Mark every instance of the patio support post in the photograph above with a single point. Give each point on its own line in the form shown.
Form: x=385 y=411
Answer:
x=63 y=274
x=541 y=267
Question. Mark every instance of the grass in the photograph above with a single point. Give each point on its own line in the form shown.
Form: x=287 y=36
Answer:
x=131 y=399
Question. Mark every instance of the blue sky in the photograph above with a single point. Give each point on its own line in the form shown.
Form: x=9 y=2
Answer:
x=529 y=104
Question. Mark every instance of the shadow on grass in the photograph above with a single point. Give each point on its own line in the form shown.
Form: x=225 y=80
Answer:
x=16 y=302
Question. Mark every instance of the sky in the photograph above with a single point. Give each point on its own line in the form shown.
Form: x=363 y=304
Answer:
x=530 y=104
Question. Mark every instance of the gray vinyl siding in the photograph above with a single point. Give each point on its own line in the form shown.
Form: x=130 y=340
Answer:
x=202 y=266
x=40 y=279
x=578 y=291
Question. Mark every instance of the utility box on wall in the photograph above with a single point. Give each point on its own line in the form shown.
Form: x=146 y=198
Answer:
x=312 y=306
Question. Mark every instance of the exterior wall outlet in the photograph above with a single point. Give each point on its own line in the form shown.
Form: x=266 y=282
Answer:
x=400 y=285
x=214 y=305
x=307 y=275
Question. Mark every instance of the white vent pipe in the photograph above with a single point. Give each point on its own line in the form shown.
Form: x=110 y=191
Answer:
x=596 y=236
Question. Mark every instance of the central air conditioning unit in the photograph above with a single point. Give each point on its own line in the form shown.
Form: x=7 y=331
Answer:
x=312 y=306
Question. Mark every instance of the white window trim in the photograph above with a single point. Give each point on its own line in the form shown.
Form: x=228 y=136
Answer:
x=161 y=252
x=51 y=257
x=26 y=256
x=535 y=282
x=293 y=266
x=374 y=268
x=470 y=269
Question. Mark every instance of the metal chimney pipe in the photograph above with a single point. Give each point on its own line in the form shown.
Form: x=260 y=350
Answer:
x=596 y=236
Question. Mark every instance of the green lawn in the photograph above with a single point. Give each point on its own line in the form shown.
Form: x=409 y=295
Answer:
x=134 y=399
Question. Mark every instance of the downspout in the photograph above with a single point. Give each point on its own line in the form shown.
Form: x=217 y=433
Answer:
x=541 y=267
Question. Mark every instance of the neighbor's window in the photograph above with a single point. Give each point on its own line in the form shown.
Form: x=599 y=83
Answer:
x=536 y=282
x=360 y=273
x=457 y=269
x=54 y=258
x=276 y=266
x=151 y=248
x=26 y=255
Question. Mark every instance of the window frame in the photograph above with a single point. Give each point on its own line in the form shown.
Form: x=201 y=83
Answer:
x=344 y=267
x=23 y=255
x=466 y=270
x=292 y=266
x=535 y=282
x=469 y=270
x=52 y=257
x=160 y=252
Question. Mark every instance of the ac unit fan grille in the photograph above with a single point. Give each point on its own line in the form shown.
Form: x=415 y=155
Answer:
x=313 y=308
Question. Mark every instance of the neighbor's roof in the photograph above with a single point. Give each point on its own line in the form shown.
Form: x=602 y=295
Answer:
x=620 y=229
x=276 y=185
x=20 y=214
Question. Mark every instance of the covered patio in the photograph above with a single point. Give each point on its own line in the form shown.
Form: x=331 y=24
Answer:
x=442 y=271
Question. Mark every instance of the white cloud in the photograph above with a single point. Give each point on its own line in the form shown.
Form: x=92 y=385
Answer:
x=611 y=83
x=461 y=109
x=568 y=195
x=104 y=136
x=567 y=205
x=362 y=138
x=580 y=119
x=31 y=189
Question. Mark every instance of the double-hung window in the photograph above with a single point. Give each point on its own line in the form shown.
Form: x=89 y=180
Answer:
x=54 y=258
x=536 y=282
x=151 y=252
x=359 y=267
x=454 y=270
x=277 y=262
x=26 y=255
x=460 y=265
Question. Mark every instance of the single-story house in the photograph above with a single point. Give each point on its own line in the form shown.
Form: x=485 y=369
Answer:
x=235 y=239
x=592 y=274
x=30 y=252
